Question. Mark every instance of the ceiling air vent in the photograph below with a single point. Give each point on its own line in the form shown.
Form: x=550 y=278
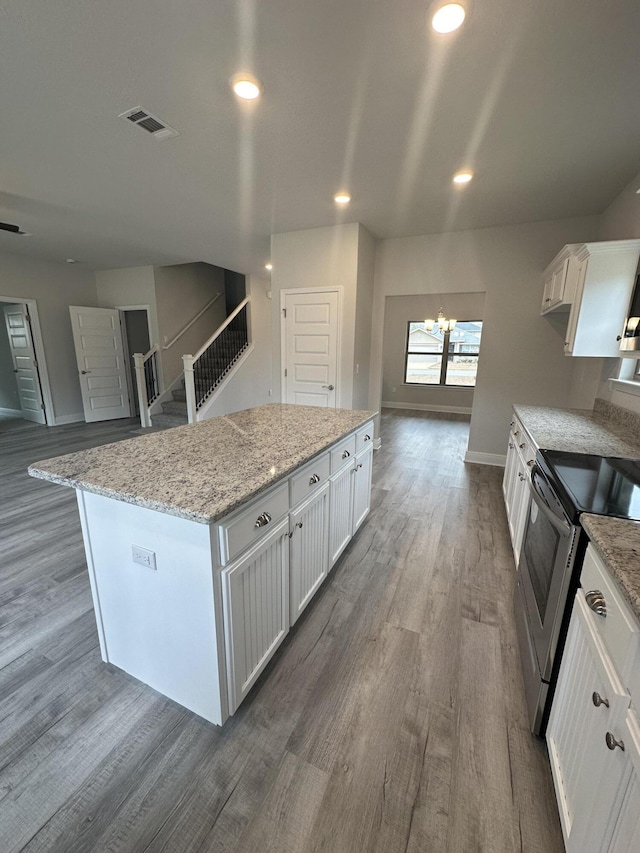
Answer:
x=152 y=124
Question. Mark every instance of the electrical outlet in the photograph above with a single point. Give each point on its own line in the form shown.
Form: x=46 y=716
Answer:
x=143 y=557
x=270 y=392
x=357 y=368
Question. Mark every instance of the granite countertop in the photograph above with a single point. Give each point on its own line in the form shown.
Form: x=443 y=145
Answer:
x=618 y=543
x=580 y=431
x=202 y=471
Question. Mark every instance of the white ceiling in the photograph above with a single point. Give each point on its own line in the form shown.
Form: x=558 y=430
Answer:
x=538 y=97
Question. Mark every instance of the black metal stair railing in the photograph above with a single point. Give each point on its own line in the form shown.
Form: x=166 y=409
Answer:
x=212 y=365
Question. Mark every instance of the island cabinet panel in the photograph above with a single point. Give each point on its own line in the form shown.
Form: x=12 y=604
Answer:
x=246 y=526
x=626 y=834
x=309 y=550
x=310 y=479
x=158 y=624
x=341 y=511
x=362 y=486
x=255 y=591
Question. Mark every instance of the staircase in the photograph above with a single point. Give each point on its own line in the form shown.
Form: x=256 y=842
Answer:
x=210 y=368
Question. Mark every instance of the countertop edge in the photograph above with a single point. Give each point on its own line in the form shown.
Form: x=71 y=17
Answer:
x=599 y=528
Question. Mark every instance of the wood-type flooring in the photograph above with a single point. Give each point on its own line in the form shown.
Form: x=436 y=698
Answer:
x=391 y=720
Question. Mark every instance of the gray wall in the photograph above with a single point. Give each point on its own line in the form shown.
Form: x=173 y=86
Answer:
x=9 y=398
x=54 y=286
x=522 y=355
x=399 y=310
x=364 y=305
x=181 y=292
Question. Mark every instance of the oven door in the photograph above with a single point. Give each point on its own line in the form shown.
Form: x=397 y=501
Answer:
x=546 y=566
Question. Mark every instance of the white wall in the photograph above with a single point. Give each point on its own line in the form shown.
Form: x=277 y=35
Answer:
x=400 y=310
x=181 y=292
x=54 y=286
x=522 y=355
x=250 y=384
x=327 y=257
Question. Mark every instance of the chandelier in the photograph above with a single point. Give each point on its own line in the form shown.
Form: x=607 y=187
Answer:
x=444 y=325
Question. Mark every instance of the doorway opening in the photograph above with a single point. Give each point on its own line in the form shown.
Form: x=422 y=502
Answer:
x=25 y=394
x=137 y=338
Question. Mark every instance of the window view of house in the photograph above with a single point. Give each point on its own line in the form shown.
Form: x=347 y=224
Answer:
x=425 y=364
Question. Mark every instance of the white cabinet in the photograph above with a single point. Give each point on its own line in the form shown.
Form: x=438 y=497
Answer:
x=560 y=281
x=309 y=554
x=515 y=484
x=593 y=734
x=362 y=486
x=597 y=288
x=255 y=592
x=341 y=511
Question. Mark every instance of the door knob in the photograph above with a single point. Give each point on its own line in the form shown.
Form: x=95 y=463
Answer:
x=329 y=387
x=85 y=371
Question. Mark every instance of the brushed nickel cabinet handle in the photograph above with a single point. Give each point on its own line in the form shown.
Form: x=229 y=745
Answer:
x=262 y=519
x=299 y=524
x=314 y=479
x=522 y=446
x=597 y=700
x=595 y=600
x=531 y=462
x=511 y=445
x=346 y=454
x=517 y=432
x=612 y=742
x=367 y=438
x=358 y=466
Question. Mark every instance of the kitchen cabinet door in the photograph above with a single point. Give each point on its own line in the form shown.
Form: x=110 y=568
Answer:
x=255 y=593
x=626 y=824
x=362 y=486
x=589 y=702
x=309 y=550
x=340 y=511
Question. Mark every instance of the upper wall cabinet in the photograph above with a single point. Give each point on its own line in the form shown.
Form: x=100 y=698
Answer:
x=591 y=283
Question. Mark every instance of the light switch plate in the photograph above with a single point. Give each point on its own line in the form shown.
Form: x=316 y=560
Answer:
x=143 y=557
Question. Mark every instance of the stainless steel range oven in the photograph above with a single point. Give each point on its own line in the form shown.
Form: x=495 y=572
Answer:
x=563 y=486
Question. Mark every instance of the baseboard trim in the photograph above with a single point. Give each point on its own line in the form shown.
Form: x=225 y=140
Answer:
x=16 y=413
x=426 y=407
x=377 y=443
x=60 y=420
x=496 y=459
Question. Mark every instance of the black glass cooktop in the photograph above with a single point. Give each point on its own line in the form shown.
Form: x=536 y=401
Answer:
x=603 y=485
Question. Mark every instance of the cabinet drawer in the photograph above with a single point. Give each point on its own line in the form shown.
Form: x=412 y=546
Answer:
x=248 y=524
x=364 y=436
x=342 y=453
x=619 y=628
x=309 y=479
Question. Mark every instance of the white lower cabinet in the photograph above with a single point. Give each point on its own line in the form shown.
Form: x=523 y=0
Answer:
x=341 y=511
x=593 y=734
x=515 y=484
x=255 y=592
x=309 y=550
x=362 y=486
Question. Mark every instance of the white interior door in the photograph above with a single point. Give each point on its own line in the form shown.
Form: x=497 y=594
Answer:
x=310 y=336
x=24 y=363
x=102 y=367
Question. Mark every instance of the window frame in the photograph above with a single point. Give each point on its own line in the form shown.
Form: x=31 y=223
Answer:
x=442 y=383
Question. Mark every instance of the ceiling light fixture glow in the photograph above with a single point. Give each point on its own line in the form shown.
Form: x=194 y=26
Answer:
x=462 y=177
x=448 y=18
x=246 y=86
x=342 y=198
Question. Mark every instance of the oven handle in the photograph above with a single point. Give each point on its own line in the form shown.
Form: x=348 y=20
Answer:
x=559 y=523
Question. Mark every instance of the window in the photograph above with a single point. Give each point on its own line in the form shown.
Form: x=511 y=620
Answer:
x=425 y=364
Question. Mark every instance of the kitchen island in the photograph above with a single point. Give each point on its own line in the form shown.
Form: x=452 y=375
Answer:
x=205 y=543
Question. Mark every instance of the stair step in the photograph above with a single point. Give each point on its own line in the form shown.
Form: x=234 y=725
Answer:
x=179 y=394
x=174 y=407
x=166 y=420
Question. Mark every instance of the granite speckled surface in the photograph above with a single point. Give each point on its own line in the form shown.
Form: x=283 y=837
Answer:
x=617 y=541
x=581 y=431
x=202 y=471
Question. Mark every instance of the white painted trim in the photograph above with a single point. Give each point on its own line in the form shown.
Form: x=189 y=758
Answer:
x=283 y=343
x=77 y=417
x=17 y=413
x=38 y=346
x=201 y=413
x=625 y=385
x=426 y=407
x=497 y=459
x=165 y=397
x=377 y=443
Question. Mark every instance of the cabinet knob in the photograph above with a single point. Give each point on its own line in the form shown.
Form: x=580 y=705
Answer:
x=619 y=338
x=346 y=454
x=597 y=700
x=512 y=424
x=521 y=476
x=516 y=433
x=595 y=600
x=299 y=524
x=367 y=438
x=522 y=446
x=262 y=519
x=531 y=463
x=315 y=478
x=511 y=445
x=358 y=466
x=612 y=742
x=548 y=299
x=566 y=343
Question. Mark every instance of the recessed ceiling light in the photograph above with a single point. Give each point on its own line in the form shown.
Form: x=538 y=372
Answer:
x=462 y=177
x=246 y=86
x=342 y=198
x=268 y=267
x=448 y=18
